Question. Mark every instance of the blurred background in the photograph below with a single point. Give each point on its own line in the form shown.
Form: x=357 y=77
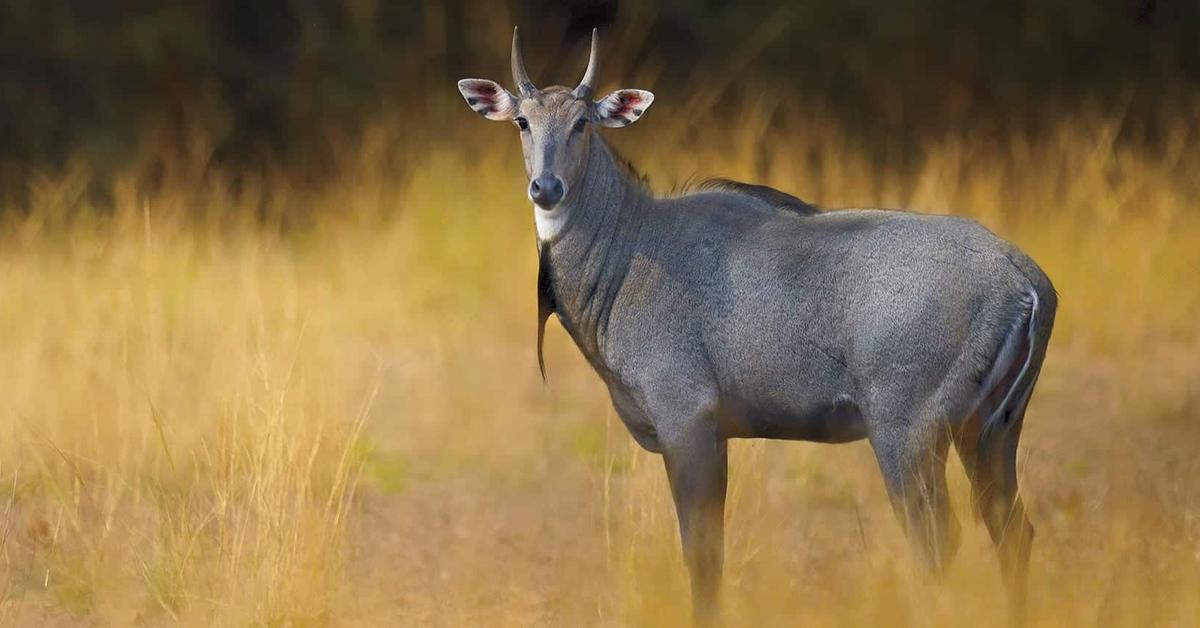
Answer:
x=271 y=84
x=267 y=308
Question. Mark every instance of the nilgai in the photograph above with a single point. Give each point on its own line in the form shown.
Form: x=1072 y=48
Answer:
x=739 y=311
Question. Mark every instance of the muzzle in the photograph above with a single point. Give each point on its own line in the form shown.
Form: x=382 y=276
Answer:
x=546 y=190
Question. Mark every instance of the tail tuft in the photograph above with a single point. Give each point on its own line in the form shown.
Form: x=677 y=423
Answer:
x=1011 y=382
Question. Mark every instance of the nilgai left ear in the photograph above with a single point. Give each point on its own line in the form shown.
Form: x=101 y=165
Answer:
x=622 y=107
x=488 y=99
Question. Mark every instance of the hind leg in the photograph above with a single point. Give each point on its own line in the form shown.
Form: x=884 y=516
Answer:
x=994 y=486
x=913 y=463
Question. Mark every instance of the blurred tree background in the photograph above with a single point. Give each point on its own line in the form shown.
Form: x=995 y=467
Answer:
x=270 y=83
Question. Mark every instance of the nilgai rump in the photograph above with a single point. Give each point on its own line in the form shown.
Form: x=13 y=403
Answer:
x=740 y=311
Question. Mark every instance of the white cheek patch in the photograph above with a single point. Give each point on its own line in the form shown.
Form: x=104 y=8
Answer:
x=488 y=99
x=623 y=107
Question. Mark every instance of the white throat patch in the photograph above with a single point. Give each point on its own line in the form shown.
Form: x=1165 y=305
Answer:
x=549 y=223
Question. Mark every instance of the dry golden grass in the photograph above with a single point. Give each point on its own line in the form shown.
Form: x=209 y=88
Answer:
x=209 y=420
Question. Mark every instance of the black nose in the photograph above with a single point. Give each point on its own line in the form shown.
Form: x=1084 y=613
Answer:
x=546 y=190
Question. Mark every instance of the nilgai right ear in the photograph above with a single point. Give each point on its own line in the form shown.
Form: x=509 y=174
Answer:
x=622 y=107
x=488 y=99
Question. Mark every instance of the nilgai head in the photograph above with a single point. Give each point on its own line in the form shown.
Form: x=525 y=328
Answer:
x=555 y=123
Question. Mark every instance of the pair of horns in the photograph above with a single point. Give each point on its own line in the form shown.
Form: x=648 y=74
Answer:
x=525 y=86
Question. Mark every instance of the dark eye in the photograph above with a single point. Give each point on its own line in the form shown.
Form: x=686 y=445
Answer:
x=579 y=124
x=523 y=124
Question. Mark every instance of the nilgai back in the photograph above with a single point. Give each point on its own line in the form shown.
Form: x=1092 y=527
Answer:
x=739 y=311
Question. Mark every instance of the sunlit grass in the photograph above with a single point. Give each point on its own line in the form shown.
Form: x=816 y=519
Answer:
x=210 y=418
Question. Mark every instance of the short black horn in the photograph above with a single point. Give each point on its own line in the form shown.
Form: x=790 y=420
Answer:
x=588 y=85
x=520 y=76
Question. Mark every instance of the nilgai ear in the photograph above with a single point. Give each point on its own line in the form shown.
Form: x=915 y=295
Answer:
x=623 y=107
x=488 y=99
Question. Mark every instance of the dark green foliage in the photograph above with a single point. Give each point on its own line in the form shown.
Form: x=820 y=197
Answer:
x=271 y=80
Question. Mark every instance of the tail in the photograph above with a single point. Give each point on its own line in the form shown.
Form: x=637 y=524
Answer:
x=1009 y=385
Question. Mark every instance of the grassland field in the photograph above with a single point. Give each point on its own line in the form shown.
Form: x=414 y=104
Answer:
x=214 y=416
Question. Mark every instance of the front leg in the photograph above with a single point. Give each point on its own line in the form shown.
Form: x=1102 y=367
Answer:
x=696 y=462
